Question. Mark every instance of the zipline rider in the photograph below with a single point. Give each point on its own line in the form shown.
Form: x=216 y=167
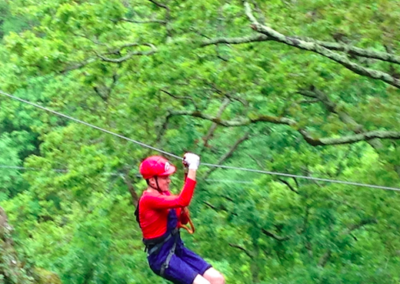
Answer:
x=160 y=215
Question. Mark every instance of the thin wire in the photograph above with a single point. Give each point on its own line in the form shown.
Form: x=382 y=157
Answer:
x=119 y=174
x=54 y=170
x=205 y=164
x=229 y=181
x=28 y=169
x=90 y=125
x=305 y=177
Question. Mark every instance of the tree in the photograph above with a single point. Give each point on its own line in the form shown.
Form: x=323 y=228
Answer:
x=214 y=78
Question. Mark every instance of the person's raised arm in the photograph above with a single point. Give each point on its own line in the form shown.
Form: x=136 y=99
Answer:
x=158 y=201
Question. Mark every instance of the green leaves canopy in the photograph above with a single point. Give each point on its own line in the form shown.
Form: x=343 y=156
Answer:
x=192 y=75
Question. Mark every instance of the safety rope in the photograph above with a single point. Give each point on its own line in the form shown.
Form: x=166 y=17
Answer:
x=204 y=164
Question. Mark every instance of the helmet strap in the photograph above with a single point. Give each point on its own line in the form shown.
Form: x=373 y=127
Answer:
x=158 y=186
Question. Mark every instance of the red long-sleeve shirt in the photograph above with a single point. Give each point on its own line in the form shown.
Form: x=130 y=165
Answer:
x=154 y=208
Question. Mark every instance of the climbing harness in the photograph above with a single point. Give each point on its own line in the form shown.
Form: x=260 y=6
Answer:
x=154 y=245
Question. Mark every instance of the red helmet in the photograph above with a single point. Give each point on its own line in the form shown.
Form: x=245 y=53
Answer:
x=156 y=166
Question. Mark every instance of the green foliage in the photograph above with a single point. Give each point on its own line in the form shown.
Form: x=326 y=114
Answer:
x=71 y=208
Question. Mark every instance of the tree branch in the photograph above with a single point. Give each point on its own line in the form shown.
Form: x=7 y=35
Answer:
x=227 y=94
x=180 y=97
x=161 y=5
x=228 y=154
x=366 y=136
x=287 y=121
x=131 y=189
x=235 y=40
x=162 y=129
x=237 y=122
x=78 y=65
x=288 y=185
x=210 y=132
x=153 y=21
x=352 y=50
x=167 y=15
x=359 y=225
x=128 y=56
x=219 y=208
x=242 y=249
x=275 y=237
x=315 y=47
x=343 y=116
x=349 y=49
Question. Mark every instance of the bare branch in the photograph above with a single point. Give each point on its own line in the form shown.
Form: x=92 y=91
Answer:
x=100 y=93
x=152 y=21
x=180 y=97
x=220 y=208
x=162 y=129
x=257 y=162
x=235 y=40
x=210 y=132
x=237 y=122
x=79 y=65
x=126 y=45
x=152 y=50
x=275 y=237
x=343 y=116
x=359 y=225
x=131 y=189
x=167 y=16
x=227 y=94
x=228 y=154
x=352 y=50
x=288 y=185
x=287 y=121
x=210 y=205
x=315 y=47
x=242 y=249
x=310 y=101
x=349 y=49
x=351 y=138
x=160 y=5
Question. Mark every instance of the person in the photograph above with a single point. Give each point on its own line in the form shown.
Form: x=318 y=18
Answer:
x=160 y=214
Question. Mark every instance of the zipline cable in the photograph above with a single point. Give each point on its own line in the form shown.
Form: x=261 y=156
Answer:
x=205 y=164
x=19 y=168
x=88 y=124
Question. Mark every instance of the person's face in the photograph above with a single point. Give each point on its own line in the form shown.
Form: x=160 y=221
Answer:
x=163 y=182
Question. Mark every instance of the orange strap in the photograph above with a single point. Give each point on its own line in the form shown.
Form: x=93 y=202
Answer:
x=190 y=230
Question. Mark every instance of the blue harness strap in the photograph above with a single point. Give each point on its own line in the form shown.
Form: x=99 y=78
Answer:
x=165 y=265
x=164 y=246
x=153 y=246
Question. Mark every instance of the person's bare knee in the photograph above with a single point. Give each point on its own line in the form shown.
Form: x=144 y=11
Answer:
x=200 y=280
x=214 y=276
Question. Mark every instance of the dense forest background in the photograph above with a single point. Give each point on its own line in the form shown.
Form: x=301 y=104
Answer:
x=306 y=87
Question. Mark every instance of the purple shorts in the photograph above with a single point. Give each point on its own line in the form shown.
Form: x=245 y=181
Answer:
x=183 y=267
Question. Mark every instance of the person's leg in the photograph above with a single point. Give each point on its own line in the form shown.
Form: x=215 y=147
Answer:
x=200 y=280
x=178 y=271
x=200 y=266
x=214 y=276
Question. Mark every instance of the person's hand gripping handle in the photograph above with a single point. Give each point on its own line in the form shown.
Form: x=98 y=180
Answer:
x=191 y=161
